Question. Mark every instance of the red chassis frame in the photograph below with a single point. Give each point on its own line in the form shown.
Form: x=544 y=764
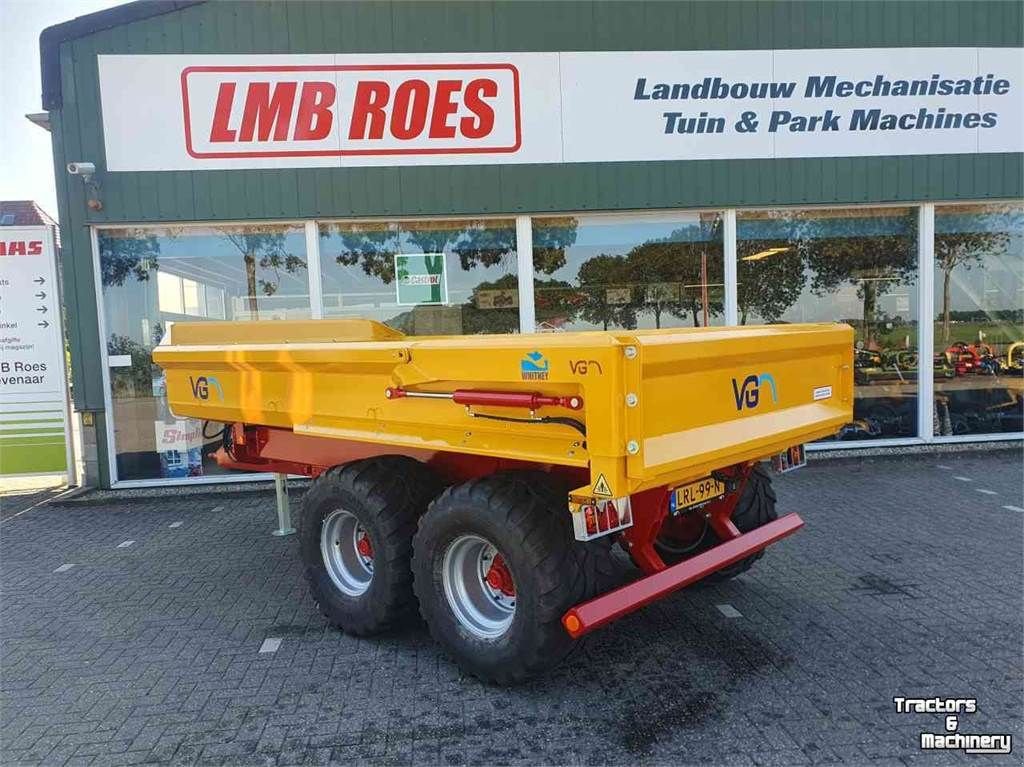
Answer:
x=260 y=448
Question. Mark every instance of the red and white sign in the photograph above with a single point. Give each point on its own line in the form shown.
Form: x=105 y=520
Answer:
x=350 y=110
x=19 y=247
x=191 y=112
x=181 y=435
x=34 y=434
x=31 y=349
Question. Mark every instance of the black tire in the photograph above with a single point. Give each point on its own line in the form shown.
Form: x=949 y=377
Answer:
x=386 y=495
x=755 y=508
x=595 y=558
x=526 y=519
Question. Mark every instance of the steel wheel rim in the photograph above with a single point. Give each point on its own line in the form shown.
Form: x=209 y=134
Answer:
x=349 y=570
x=481 y=609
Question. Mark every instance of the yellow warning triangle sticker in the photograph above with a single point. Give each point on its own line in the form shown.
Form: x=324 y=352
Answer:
x=601 y=487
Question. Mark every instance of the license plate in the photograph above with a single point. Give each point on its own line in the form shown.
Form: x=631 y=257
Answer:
x=790 y=460
x=696 y=494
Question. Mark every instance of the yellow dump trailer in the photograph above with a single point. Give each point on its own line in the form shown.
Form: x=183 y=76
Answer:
x=485 y=476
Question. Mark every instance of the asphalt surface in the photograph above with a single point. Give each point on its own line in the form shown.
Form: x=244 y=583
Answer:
x=906 y=581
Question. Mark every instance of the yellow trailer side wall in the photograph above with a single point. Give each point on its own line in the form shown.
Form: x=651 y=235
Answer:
x=682 y=422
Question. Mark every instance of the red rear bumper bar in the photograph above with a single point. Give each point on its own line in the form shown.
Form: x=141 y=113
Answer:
x=585 y=617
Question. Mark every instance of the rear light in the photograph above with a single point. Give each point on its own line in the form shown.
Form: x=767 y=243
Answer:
x=600 y=517
x=610 y=518
x=789 y=460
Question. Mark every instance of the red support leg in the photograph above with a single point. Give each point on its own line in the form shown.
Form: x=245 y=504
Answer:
x=720 y=512
x=649 y=508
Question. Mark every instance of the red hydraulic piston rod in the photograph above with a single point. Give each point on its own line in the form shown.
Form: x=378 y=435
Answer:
x=527 y=400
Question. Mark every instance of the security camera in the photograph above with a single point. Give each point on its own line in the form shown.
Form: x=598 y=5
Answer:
x=86 y=171
x=81 y=168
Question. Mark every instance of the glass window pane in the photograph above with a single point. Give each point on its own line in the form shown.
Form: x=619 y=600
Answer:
x=979 y=323
x=168 y=289
x=154 y=275
x=479 y=291
x=190 y=296
x=214 y=303
x=594 y=272
x=857 y=266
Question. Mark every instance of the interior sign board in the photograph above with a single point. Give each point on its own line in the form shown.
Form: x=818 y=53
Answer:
x=33 y=403
x=421 y=278
x=190 y=112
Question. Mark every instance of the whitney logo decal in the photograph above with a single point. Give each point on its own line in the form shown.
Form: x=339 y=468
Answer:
x=748 y=395
x=534 y=367
x=201 y=387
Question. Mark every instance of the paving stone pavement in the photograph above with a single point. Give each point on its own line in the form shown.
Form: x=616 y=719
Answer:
x=18 y=494
x=905 y=581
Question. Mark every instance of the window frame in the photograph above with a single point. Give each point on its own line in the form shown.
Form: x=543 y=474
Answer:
x=527 y=309
x=101 y=324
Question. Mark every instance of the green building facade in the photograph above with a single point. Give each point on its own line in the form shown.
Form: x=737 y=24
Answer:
x=279 y=159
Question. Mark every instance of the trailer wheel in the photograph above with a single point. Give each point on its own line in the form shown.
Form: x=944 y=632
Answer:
x=355 y=535
x=495 y=567
x=684 y=537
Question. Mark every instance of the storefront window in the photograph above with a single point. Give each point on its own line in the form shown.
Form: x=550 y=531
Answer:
x=152 y=276
x=979 y=323
x=601 y=272
x=423 y=277
x=857 y=266
x=592 y=272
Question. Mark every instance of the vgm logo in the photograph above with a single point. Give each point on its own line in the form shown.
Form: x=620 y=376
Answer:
x=333 y=111
x=748 y=394
x=201 y=387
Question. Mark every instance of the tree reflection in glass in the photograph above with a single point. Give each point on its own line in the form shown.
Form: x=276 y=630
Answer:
x=626 y=271
x=480 y=268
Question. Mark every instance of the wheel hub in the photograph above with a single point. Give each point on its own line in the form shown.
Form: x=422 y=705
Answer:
x=499 y=578
x=364 y=547
x=347 y=552
x=479 y=586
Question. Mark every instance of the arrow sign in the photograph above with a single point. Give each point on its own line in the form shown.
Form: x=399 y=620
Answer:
x=40 y=295
x=41 y=309
x=43 y=324
x=40 y=280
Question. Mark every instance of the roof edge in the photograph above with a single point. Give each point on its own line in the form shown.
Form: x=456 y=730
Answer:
x=51 y=38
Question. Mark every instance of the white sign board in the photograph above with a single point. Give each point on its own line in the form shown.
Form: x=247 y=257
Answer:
x=189 y=112
x=180 y=436
x=33 y=401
